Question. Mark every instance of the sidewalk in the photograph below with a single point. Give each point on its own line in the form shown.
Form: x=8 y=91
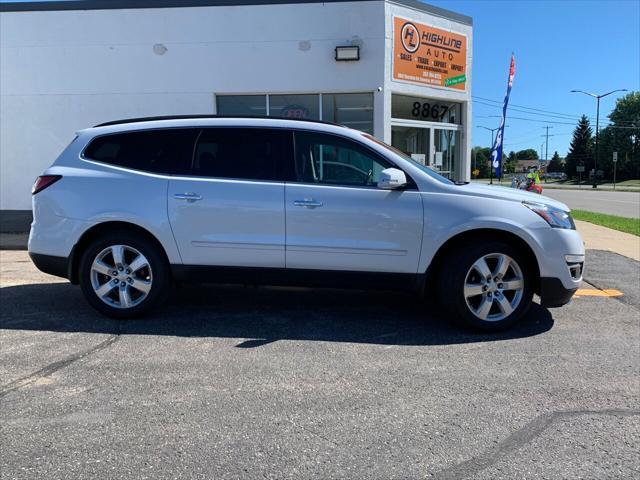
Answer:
x=601 y=238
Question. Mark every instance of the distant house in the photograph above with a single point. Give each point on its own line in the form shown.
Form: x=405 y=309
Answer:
x=524 y=165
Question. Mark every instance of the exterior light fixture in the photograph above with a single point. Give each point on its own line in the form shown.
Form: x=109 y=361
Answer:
x=348 y=53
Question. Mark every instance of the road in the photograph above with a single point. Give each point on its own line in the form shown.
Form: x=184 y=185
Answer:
x=231 y=382
x=624 y=204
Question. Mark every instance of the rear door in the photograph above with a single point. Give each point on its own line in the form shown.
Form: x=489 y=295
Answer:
x=229 y=210
x=337 y=217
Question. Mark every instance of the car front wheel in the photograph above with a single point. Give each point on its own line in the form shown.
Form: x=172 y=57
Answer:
x=488 y=286
x=123 y=275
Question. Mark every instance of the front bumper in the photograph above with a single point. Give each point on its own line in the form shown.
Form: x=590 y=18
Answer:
x=559 y=252
x=553 y=293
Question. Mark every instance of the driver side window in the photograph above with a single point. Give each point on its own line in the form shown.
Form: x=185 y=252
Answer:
x=328 y=159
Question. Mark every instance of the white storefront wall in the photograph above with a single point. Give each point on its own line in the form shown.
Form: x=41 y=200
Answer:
x=61 y=71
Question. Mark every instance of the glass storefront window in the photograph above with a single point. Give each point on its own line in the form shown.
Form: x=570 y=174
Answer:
x=425 y=109
x=354 y=110
x=253 y=105
x=295 y=106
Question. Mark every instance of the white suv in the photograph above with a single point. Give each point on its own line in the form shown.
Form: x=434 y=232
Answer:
x=130 y=206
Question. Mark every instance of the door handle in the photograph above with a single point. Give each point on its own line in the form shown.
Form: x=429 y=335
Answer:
x=307 y=202
x=188 y=196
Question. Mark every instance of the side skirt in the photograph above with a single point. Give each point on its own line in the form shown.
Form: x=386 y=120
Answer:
x=299 y=277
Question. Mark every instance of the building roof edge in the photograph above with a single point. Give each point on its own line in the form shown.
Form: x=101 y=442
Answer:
x=53 y=5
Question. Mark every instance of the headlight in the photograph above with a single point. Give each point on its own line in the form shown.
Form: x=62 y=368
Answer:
x=555 y=217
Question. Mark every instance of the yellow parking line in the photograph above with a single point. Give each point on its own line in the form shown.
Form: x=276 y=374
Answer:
x=591 y=292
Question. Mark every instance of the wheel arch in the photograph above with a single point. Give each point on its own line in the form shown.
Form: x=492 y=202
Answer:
x=95 y=231
x=482 y=235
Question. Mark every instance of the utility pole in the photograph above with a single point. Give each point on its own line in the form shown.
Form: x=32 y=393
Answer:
x=597 y=97
x=546 y=155
x=541 y=147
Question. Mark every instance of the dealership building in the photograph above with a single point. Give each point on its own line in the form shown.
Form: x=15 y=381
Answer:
x=399 y=69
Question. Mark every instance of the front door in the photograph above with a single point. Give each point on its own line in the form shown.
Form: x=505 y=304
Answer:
x=437 y=147
x=229 y=210
x=337 y=218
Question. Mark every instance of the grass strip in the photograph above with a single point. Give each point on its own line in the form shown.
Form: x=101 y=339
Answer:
x=622 y=224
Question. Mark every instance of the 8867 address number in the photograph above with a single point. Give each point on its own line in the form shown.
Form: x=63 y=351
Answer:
x=427 y=110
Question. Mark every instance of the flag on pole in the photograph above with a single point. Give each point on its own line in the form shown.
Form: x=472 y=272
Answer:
x=496 y=150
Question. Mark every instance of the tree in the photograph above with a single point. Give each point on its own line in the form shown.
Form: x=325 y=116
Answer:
x=527 y=154
x=555 y=165
x=510 y=162
x=581 y=148
x=480 y=160
x=623 y=136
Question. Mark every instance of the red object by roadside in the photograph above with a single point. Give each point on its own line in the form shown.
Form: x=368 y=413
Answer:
x=534 y=187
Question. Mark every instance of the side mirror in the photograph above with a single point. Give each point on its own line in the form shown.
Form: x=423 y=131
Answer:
x=392 y=178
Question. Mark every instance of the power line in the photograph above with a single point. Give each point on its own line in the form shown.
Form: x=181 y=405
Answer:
x=560 y=115
x=516 y=109
x=574 y=121
x=527 y=108
x=563 y=123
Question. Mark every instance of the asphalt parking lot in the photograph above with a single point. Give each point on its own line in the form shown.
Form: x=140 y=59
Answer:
x=232 y=382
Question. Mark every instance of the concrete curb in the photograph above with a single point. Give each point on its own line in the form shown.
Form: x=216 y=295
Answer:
x=13 y=241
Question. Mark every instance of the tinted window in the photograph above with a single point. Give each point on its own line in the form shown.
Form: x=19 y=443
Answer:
x=294 y=106
x=242 y=105
x=160 y=151
x=329 y=159
x=245 y=153
x=354 y=110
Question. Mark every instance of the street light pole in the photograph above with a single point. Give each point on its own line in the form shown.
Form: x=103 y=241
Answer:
x=491 y=162
x=597 y=97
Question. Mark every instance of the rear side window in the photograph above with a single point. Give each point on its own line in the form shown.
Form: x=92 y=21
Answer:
x=244 y=153
x=165 y=151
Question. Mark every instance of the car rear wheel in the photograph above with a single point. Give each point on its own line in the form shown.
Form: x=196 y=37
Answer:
x=123 y=275
x=488 y=286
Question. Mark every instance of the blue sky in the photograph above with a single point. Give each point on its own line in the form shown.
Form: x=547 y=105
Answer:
x=559 y=46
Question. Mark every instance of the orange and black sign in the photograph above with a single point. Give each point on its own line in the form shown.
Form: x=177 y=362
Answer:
x=428 y=56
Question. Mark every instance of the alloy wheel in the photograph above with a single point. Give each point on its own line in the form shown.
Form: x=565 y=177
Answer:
x=493 y=287
x=121 y=276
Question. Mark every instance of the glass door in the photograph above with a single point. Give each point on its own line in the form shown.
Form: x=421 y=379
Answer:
x=434 y=145
x=413 y=141
x=445 y=151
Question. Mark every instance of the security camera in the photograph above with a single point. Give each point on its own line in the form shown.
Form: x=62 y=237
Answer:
x=379 y=89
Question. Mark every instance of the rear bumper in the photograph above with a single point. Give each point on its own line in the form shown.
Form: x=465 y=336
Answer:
x=553 y=293
x=58 y=266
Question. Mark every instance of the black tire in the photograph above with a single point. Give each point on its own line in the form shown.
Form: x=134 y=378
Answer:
x=158 y=273
x=453 y=277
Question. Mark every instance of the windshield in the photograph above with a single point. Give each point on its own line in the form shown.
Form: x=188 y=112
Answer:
x=429 y=171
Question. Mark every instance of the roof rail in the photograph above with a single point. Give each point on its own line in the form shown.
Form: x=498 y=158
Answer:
x=189 y=117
